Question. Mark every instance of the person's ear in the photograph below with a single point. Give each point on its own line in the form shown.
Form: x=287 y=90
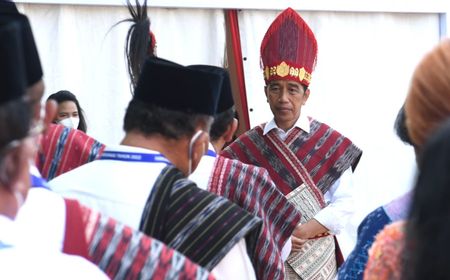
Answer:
x=14 y=170
x=199 y=148
x=306 y=96
x=267 y=93
x=229 y=133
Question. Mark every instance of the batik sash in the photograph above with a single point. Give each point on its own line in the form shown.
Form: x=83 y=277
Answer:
x=122 y=252
x=251 y=188
x=63 y=149
x=197 y=223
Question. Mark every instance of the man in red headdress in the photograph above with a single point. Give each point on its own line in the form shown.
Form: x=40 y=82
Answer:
x=309 y=162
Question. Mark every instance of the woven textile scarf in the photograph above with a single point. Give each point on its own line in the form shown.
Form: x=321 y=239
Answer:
x=63 y=149
x=197 y=223
x=304 y=167
x=251 y=188
x=324 y=152
x=122 y=252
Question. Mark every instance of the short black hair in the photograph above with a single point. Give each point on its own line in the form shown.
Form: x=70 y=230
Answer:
x=65 y=95
x=149 y=119
x=221 y=123
x=400 y=126
x=15 y=121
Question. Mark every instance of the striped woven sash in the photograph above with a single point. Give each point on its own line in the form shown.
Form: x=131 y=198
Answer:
x=63 y=149
x=122 y=252
x=251 y=188
x=197 y=223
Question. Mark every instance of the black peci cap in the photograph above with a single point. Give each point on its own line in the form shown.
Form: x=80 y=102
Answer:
x=12 y=72
x=176 y=87
x=226 y=95
x=8 y=14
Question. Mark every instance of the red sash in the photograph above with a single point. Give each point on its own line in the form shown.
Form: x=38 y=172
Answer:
x=74 y=239
x=251 y=188
x=63 y=149
x=120 y=251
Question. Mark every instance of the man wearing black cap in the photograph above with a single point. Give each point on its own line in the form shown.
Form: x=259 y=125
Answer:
x=33 y=69
x=50 y=223
x=27 y=216
x=17 y=150
x=142 y=181
x=248 y=186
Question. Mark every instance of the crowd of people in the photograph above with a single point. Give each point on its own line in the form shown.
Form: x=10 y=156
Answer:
x=203 y=204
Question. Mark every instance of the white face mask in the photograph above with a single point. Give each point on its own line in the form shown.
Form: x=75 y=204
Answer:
x=70 y=122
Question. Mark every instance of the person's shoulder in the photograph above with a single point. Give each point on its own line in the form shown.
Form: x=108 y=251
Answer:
x=316 y=124
x=397 y=209
x=255 y=130
x=78 y=176
x=244 y=167
x=376 y=219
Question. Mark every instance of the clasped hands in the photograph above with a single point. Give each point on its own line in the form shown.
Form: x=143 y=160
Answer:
x=303 y=232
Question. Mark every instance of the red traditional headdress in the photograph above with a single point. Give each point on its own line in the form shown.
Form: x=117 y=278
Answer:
x=289 y=49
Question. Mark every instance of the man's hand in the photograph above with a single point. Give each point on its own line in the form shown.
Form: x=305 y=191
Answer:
x=297 y=243
x=306 y=231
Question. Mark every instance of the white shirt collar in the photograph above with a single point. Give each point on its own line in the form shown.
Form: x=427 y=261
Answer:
x=302 y=123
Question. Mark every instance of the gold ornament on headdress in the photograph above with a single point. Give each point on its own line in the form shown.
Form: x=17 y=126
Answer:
x=283 y=69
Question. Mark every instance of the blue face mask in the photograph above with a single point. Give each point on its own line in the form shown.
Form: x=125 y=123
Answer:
x=190 y=151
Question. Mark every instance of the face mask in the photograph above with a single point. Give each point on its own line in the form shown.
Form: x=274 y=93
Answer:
x=191 y=143
x=70 y=122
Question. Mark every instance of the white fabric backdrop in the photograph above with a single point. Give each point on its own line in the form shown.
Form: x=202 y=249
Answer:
x=81 y=53
x=365 y=61
x=364 y=66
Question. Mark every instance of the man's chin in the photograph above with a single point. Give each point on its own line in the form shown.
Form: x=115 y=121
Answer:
x=284 y=117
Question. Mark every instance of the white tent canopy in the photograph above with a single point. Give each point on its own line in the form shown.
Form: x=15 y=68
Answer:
x=367 y=53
